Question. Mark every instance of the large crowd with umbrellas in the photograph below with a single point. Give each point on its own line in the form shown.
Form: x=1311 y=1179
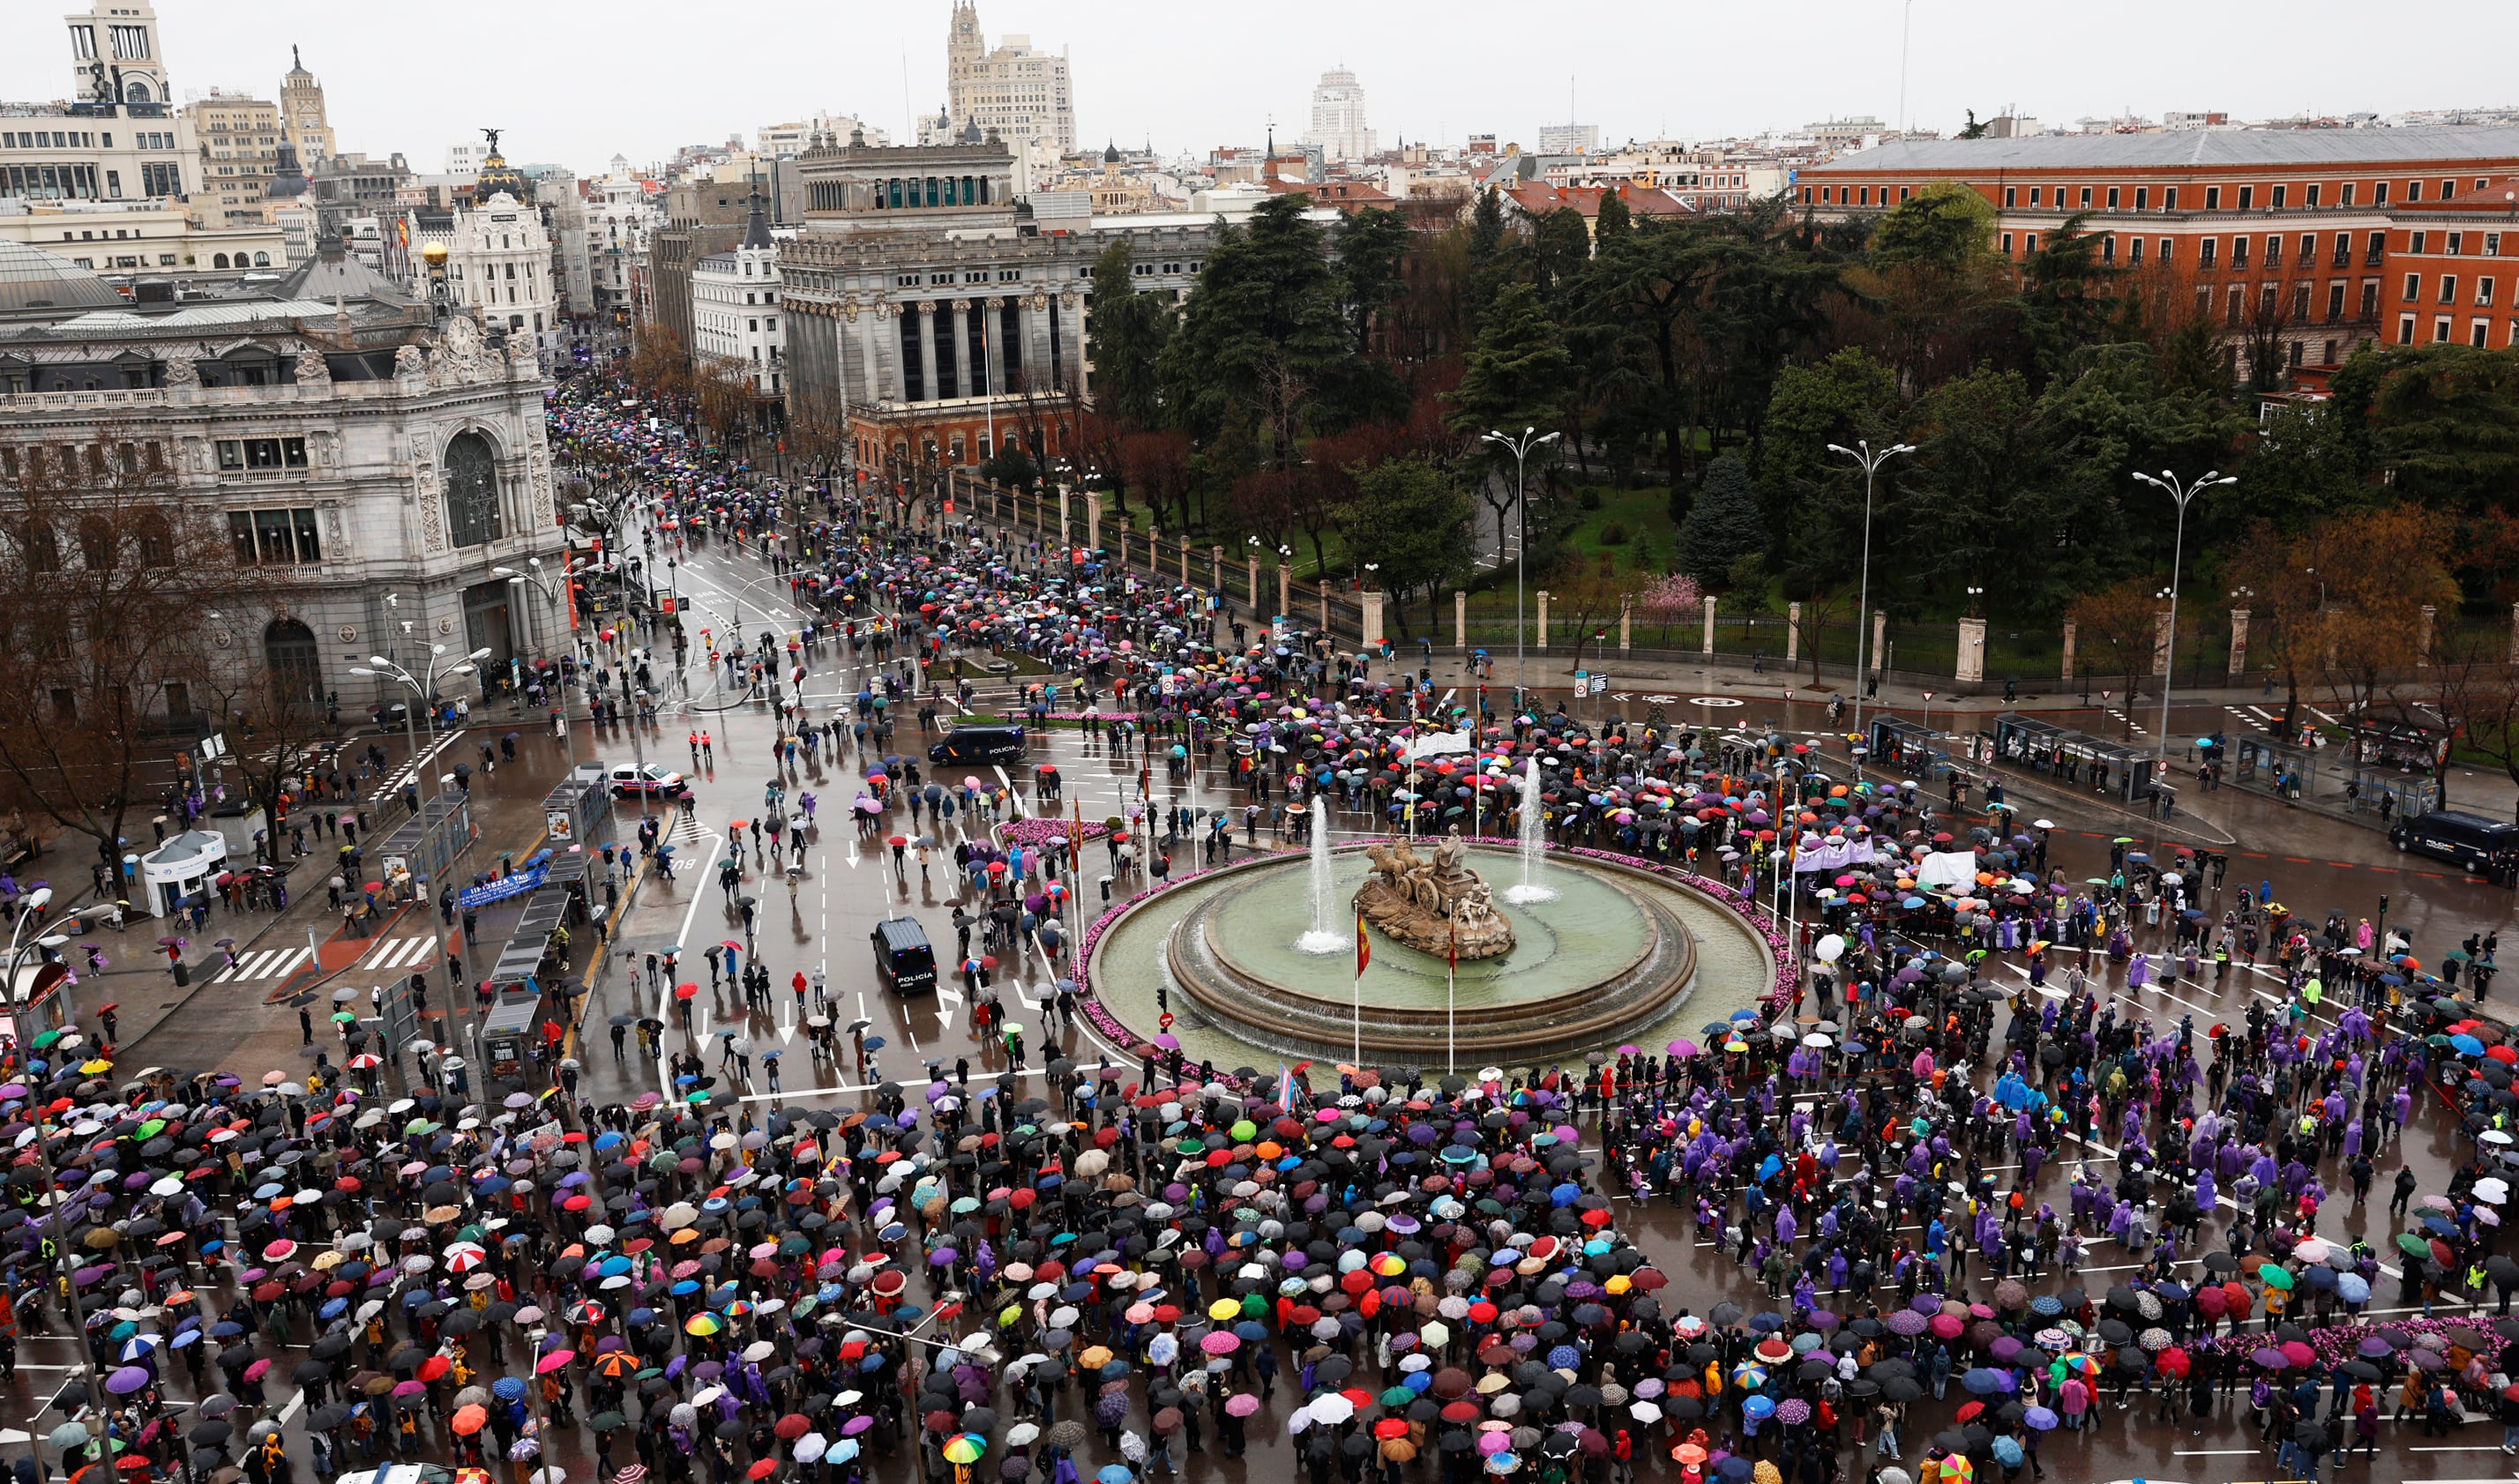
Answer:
x=1968 y=1179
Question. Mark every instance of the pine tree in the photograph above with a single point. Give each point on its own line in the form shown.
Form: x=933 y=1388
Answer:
x=1724 y=525
x=1516 y=370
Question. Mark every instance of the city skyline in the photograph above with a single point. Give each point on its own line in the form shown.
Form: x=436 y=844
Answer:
x=1138 y=83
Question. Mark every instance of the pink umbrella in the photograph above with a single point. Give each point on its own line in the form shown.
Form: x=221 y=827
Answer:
x=1221 y=1342
x=1684 y=1048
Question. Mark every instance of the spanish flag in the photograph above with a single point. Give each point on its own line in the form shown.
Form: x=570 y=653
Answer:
x=1363 y=944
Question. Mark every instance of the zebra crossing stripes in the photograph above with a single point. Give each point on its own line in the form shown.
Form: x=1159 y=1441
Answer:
x=399 y=953
x=264 y=963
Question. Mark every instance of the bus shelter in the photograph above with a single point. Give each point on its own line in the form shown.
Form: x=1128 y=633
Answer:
x=424 y=849
x=1899 y=745
x=2026 y=741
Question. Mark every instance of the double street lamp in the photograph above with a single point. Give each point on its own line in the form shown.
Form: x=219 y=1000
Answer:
x=423 y=686
x=1521 y=448
x=2169 y=485
x=1864 y=454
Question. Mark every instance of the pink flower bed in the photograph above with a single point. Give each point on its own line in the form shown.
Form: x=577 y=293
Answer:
x=1779 y=996
x=1039 y=831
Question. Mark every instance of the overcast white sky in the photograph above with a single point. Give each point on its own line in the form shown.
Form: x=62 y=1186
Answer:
x=572 y=81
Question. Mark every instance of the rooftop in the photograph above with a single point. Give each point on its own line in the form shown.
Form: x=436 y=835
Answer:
x=33 y=278
x=2184 y=149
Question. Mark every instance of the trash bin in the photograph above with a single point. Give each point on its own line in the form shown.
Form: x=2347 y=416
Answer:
x=182 y=973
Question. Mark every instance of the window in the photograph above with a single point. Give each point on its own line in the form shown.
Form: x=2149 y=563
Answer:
x=471 y=491
x=43 y=548
x=2086 y=197
x=2212 y=198
x=2379 y=198
x=2441 y=330
x=2035 y=192
x=2273 y=251
x=2479 y=332
x=2169 y=197
x=2456 y=241
x=2279 y=193
x=2011 y=196
x=2449 y=187
x=2344 y=198
x=2205 y=250
x=2134 y=251
x=2483 y=294
x=2334 y=307
x=2247 y=196
x=2414 y=193
x=273 y=538
x=2112 y=198
x=261 y=454
x=2413 y=287
x=2370 y=298
x=2006 y=245
x=2109 y=249
x=2238 y=252
x=2311 y=195
x=2492 y=244
x=2448 y=289
x=2167 y=250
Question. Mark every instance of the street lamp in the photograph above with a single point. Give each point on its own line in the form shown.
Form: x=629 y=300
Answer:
x=1872 y=459
x=543 y=582
x=424 y=687
x=2183 y=493
x=1531 y=438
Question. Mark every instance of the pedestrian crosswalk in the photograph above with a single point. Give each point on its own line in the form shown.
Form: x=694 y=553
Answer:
x=399 y=953
x=264 y=964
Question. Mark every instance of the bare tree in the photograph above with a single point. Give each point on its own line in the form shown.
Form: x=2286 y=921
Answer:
x=2122 y=625
x=107 y=587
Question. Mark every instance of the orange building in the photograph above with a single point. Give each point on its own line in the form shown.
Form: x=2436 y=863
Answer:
x=2317 y=240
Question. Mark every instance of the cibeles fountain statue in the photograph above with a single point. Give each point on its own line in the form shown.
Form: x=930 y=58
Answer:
x=1434 y=904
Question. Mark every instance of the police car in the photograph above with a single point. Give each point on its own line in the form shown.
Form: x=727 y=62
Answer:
x=629 y=779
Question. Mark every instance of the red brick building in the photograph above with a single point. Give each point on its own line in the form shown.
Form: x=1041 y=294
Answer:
x=2318 y=241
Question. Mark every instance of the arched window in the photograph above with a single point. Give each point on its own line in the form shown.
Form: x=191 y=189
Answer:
x=43 y=546
x=262 y=260
x=471 y=490
x=219 y=260
x=296 y=674
x=96 y=542
x=136 y=92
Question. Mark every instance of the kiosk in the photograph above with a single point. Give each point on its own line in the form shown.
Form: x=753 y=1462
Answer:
x=184 y=864
x=39 y=1000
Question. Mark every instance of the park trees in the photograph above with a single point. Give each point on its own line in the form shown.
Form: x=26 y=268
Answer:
x=1410 y=519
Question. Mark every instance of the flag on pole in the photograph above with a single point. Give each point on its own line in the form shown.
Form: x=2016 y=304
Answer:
x=1363 y=944
x=1453 y=927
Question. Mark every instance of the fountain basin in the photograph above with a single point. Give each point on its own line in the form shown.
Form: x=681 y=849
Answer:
x=1618 y=955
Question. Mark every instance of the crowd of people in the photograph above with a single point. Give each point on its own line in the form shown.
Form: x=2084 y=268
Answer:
x=1977 y=1134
